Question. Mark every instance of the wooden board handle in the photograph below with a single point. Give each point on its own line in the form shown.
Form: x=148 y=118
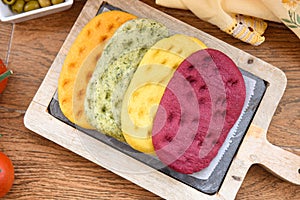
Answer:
x=258 y=150
x=280 y=162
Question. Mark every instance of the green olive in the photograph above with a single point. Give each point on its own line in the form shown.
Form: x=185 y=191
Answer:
x=18 y=6
x=44 y=3
x=9 y=2
x=56 y=1
x=31 y=5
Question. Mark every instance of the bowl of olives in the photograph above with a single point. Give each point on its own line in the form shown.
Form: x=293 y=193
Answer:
x=16 y=11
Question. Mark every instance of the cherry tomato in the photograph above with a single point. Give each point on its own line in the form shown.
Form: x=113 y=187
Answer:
x=3 y=83
x=7 y=174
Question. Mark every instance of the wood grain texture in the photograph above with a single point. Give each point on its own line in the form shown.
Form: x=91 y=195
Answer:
x=6 y=30
x=45 y=170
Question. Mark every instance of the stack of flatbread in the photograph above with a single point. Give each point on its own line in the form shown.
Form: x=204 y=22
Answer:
x=123 y=77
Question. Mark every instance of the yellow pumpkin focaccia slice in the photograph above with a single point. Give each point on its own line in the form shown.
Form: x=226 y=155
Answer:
x=114 y=70
x=148 y=85
x=83 y=77
x=95 y=32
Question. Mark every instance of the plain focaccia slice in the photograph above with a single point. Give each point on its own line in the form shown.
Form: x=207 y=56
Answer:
x=95 y=32
x=116 y=66
x=147 y=87
x=202 y=102
x=83 y=77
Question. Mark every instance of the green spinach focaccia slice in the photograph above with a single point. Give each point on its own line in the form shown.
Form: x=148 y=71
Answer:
x=114 y=70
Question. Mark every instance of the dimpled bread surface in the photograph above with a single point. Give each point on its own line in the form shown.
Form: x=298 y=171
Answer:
x=147 y=87
x=114 y=70
x=202 y=102
x=96 y=31
x=82 y=79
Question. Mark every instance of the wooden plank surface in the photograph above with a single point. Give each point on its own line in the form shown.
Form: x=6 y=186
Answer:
x=6 y=30
x=46 y=170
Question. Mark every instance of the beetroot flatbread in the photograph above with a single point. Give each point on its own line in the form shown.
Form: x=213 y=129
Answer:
x=202 y=102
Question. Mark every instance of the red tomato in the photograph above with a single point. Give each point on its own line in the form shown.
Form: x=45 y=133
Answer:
x=7 y=174
x=3 y=83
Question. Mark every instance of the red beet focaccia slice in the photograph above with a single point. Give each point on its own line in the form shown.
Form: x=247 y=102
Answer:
x=202 y=102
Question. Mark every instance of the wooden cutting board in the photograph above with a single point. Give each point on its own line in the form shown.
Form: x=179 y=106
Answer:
x=255 y=149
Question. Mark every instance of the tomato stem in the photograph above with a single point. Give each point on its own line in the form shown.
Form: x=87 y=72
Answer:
x=6 y=74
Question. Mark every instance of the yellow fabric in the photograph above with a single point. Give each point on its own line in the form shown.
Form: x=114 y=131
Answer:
x=171 y=4
x=254 y=8
x=288 y=11
x=228 y=14
x=247 y=29
x=213 y=12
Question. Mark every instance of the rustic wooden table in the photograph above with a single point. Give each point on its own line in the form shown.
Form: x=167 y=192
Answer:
x=44 y=170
